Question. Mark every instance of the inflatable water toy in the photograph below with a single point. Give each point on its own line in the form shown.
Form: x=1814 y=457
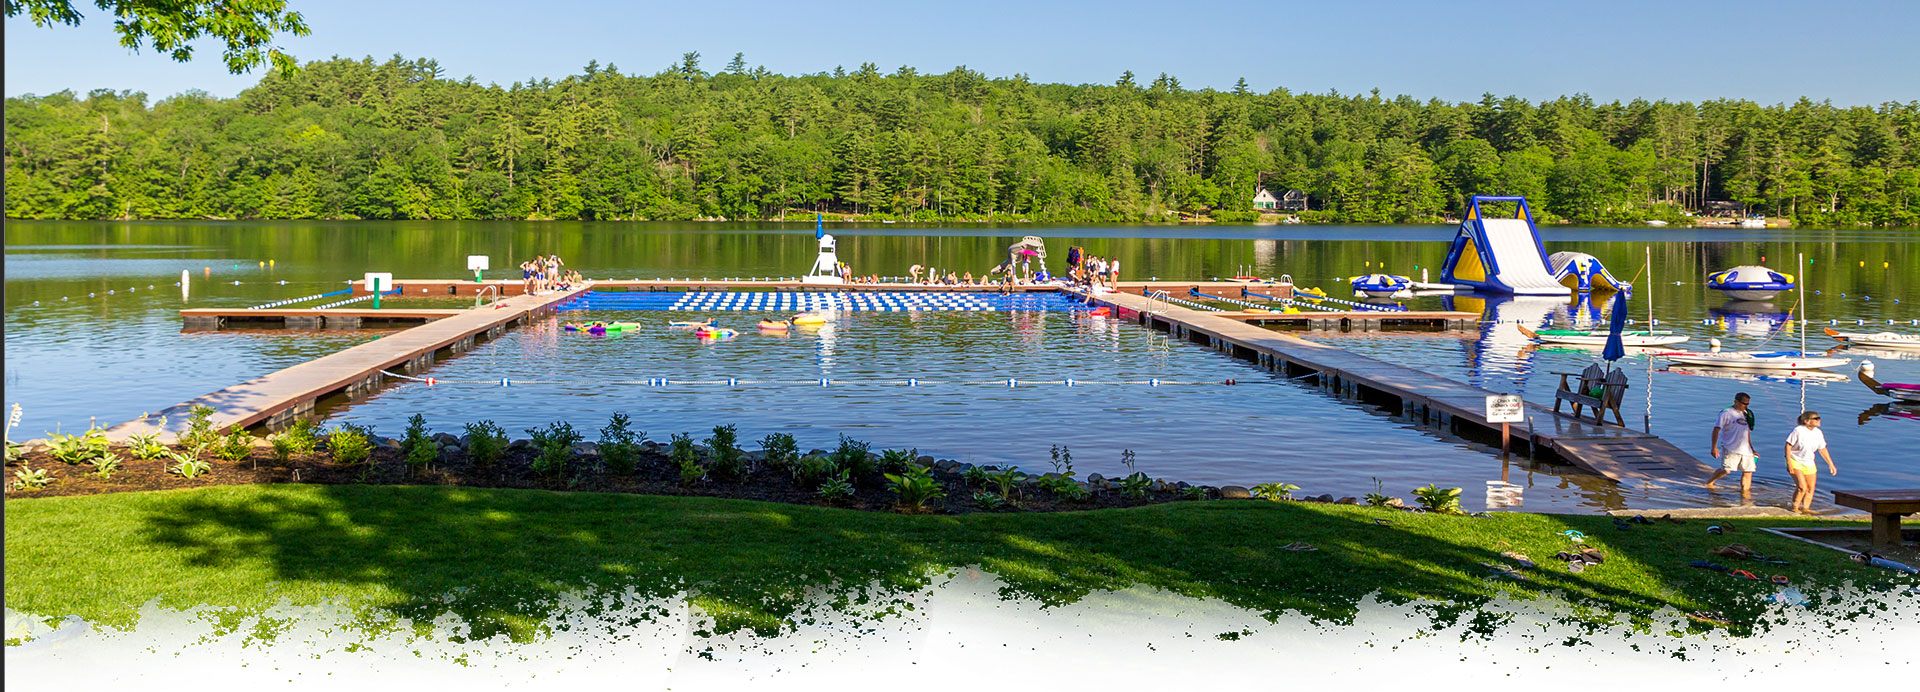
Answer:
x=775 y=325
x=1899 y=391
x=1750 y=282
x=809 y=318
x=1584 y=273
x=600 y=327
x=1599 y=337
x=1100 y=312
x=1500 y=255
x=1380 y=285
x=1880 y=340
x=715 y=333
x=701 y=323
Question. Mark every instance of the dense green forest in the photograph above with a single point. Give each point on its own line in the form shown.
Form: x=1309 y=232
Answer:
x=398 y=140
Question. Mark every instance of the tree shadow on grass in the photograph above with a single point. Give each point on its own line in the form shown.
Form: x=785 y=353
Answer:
x=504 y=561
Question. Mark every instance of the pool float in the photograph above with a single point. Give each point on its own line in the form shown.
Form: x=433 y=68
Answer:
x=715 y=333
x=1380 y=285
x=1750 y=282
x=1256 y=311
x=809 y=318
x=601 y=327
x=774 y=326
x=1100 y=312
x=702 y=323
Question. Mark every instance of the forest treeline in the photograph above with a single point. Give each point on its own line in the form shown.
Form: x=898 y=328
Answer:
x=348 y=139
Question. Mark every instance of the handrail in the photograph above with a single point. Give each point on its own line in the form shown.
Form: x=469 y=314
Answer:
x=483 y=291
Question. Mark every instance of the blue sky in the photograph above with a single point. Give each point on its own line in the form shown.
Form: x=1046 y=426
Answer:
x=1853 y=52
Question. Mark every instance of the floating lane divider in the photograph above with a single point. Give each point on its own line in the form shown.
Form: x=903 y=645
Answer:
x=1168 y=297
x=290 y=301
x=1011 y=382
x=397 y=290
x=1318 y=300
x=699 y=301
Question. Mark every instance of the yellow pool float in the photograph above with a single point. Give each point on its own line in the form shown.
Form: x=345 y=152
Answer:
x=808 y=318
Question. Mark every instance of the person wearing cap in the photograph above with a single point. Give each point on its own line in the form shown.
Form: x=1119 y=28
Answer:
x=1736 y=422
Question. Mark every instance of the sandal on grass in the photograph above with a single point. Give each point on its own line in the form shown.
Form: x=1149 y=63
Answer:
x=1298 y=547
x=1641 y=519
x=1505 y=572
x=1703 y=564
x=1780 y=579
x=1575 y=536
x=1525 y=562
x=1736 y=551
x=1743 y=574
x=1669 y=519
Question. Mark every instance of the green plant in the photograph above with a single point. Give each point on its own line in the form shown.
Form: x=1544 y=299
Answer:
x=1135 y=485
x=350 y=444
x=28 y=478
x=851 y=456
x=1064 y=487
x=988 y=501
x=301 y=435
x=1377 y=498
x=104 y=465
x=836 y=489
x=686 y=457
x=234 y=446
x=815 y=469
x=1275 y=492
x=200 y=435
x=486 y=442
x=1195 y=492
x=620 y=444
x=188 y=466
x=15 y=451
x=1127 y=459
x=728 y=461
x=1437 y=499
x=417 y=447
x=897 y=460
x=282 y=447
x=78 y=449
x=145 y=446
x=782 y=452
x=1062 y=460
x=975 y=477
x=1005 y=480
x=915 y=488
x=552 y=447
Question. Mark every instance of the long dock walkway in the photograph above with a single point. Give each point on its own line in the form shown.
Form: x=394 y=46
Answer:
x=1622 y=454
x=291 y=392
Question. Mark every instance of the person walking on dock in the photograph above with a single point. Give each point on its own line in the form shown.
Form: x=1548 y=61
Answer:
x=1736 y=422
x=1802 y=444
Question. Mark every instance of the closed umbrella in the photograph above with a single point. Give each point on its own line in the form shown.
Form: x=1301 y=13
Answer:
x=1615 y=349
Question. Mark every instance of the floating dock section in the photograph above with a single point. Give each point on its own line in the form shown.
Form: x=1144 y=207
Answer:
x=1622 y=454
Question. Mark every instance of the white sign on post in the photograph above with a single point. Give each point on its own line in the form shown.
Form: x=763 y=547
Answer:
x=1506 y=408
x=379 y=282
x=478 y=263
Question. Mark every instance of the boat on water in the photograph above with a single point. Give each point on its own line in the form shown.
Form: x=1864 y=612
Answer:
x=1899 y=391
x=1754 y=360
x=1382 y=286
x=1750 y=282
x=1589 y=337
x=1818 y=376
x=1753 y=223
x=1877 y=340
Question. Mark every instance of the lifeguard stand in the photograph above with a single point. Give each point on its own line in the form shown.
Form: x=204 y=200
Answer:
x=826 y=266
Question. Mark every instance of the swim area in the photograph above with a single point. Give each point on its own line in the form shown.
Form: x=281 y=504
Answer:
x=978 y=377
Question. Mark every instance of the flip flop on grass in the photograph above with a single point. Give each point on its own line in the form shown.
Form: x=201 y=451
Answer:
x=1703 y=564
x=1743 y=574
x=1524 y=561
x=1505 y=572
x=1669 y=519
x=1298 y=547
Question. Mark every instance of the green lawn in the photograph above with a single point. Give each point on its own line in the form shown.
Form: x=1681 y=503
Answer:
x=500 y=558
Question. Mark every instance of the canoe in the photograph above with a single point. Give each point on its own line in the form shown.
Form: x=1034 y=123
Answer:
x=1879 y=339
x=1599 y=338
x=1746 y=360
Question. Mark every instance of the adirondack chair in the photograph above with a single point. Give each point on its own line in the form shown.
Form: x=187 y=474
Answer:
x=1597 y=388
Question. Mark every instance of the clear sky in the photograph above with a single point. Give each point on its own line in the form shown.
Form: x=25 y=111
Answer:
x=1853 y=52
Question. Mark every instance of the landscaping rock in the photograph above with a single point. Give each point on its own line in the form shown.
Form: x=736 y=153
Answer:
x=924 y=461
x=1328 y=498
x=816 y=453
x=1050 y=475
x=947 y=466
x=650 y=446
x=1095 y=478
x=1395 y=503
x=449 y=450
x=444 y=439
x=518 y=445
x=1347 y=501
x=1234 y=492
x=1102 y=484
x=758 y=455
x=1158 y=486
x=586 y=449
x=386 y=443
x=1182 y=486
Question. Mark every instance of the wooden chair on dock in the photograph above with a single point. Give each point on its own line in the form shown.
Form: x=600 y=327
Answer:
x=1598 y=388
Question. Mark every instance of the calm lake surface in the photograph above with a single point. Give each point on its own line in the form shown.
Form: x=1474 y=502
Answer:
x=112 y=357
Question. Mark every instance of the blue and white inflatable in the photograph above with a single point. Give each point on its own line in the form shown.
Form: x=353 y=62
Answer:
x=1584 y=273
x=1750 y=282
x=1380 y=285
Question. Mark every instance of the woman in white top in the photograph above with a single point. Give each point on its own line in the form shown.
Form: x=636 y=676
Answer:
x=1802 y=443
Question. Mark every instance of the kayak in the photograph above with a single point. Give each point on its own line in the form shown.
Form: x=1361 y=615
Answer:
x=1597 y=337
x=1880 y=339
x=1747 y=360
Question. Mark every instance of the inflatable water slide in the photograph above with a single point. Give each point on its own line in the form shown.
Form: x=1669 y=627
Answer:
x=1501 y=255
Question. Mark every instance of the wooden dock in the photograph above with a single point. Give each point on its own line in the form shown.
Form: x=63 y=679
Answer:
x=1622 y=454
x=197 y=319
x=280 y=396
x=459 y=287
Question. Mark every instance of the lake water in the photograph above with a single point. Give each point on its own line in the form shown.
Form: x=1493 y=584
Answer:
x=112 y=357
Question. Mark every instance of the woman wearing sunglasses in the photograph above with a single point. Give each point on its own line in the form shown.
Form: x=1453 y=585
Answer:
x=1805 y=440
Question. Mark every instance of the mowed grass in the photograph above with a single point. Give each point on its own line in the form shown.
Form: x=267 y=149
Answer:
x=501 y=559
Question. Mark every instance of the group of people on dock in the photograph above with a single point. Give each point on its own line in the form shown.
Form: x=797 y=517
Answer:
x=1732 y=445
x=544 y=273
x=1089 y=271
x=935 y=278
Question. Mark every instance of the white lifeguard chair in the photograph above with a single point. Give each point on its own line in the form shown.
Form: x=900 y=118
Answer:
x=826 y=266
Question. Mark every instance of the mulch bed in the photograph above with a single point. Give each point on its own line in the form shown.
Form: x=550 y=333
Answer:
x=654 y=475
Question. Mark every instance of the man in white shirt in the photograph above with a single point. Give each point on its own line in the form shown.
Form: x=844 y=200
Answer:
x=1735 y=429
